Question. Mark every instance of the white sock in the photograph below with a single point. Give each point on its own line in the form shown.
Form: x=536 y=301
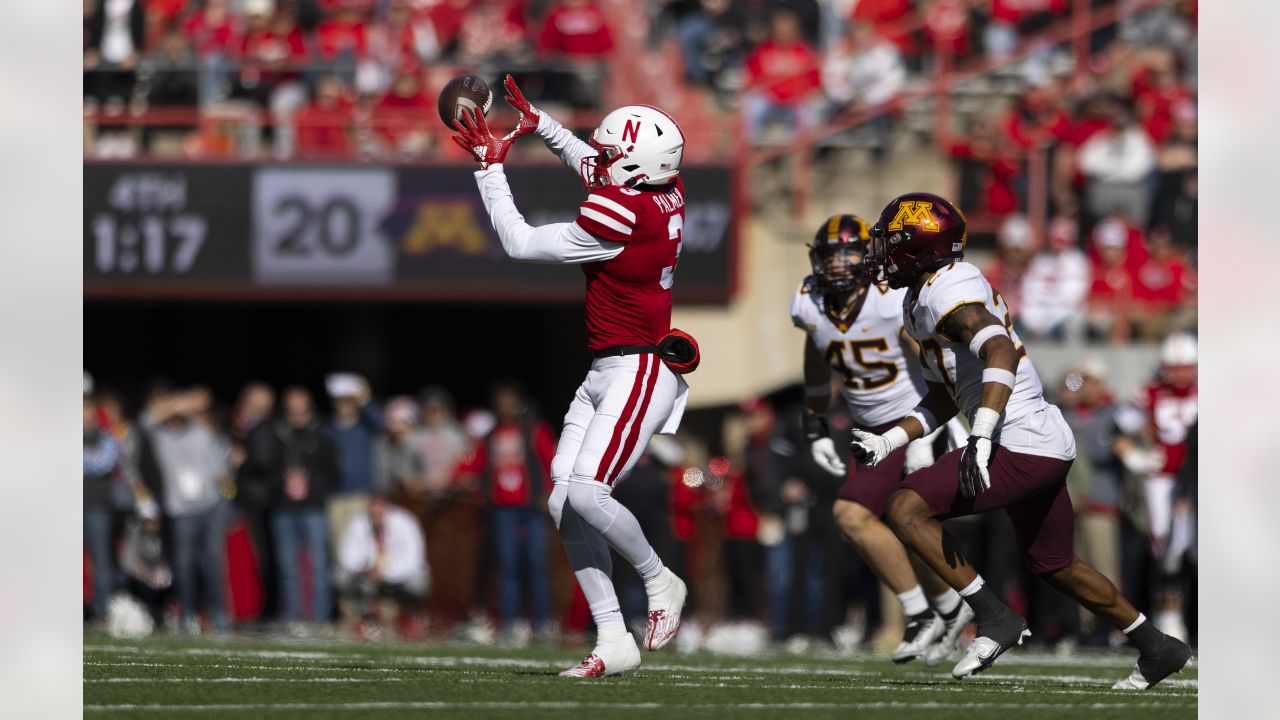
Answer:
x=947 y=602
x=608 y=632
x=1141 y=619
x=973 y=587
x=913 y=602
x=650 y=569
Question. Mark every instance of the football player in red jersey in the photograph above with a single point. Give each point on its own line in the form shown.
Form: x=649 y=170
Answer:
x=627 y=240
x=1158 y=418
x=1019 y=449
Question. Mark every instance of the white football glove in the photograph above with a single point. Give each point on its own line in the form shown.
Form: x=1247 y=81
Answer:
x=871 y=449
x=974 y=475
x=824 y=454
x=919 y=454
x=1143 y=462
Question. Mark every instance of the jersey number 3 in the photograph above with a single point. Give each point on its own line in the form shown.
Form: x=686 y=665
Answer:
x=674 y=226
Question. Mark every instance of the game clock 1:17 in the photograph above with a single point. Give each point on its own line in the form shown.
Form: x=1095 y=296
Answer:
x=147 y=243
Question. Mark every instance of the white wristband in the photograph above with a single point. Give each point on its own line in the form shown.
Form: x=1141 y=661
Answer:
x=984 y=335
x=998 y=375
x=984 y=422
x=925 y=418
x=897 y=437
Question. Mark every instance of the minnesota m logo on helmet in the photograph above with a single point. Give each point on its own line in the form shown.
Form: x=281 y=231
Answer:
x=917 y=233
x=915 y=212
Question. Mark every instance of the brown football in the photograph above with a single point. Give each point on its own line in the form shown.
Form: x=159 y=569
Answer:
x=465 y=92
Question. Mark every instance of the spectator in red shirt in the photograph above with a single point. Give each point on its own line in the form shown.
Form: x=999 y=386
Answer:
x=445 y=17
x=947 y=24
x=888 y=17
x=1112 y=259
x=216 y=35
x=1163 y=285
x=341 y=37
x=273 y=55
x=989 y=169
x=784 y=80
x=400 y=116
x=514 y=465
x=323 y=127
x=1016 y=244
x=577 y=30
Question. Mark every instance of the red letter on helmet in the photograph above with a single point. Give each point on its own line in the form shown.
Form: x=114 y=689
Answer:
x=631 y=131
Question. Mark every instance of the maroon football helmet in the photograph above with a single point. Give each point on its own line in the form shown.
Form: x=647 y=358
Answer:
x=916 y=233
x=838 y=254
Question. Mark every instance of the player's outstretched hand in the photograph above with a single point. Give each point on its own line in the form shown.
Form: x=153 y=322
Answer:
x=869 y=448
x=974 y=476
x=529 y=115
x=475 y=137
x=825 y=455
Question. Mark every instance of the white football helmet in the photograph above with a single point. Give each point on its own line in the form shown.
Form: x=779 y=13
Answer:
x=635 y=144
x=1179 y=349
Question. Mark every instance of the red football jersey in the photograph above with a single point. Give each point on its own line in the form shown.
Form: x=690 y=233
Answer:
x=1172 y=411
x=629 y=296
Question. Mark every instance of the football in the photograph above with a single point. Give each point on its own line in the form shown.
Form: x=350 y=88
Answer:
x=464 y=92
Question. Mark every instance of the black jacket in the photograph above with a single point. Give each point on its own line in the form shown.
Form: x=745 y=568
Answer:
x=273 y=447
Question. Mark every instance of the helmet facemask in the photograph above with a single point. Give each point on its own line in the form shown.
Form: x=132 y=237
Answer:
x=595 y=168
x=840 y=268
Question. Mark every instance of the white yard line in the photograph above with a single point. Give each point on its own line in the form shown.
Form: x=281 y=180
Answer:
x=428 y=705
x=252 y=679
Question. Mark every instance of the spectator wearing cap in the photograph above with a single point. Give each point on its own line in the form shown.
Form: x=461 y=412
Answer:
x=1097 y=476
x=354 y=427
x=398 y=459
x=443 y=441
x=1054 y=287
x=783 y=79
x=1016 y=244
x=101 y=457
x=381 y=557
x=298 y=459
x=513 y=466
x=193 y=474
x=1116 y=252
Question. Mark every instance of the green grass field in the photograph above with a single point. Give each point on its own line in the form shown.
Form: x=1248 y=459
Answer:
x=178 y=678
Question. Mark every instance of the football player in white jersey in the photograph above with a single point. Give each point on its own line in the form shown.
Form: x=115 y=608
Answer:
x=1019 y=448
x=854 y=326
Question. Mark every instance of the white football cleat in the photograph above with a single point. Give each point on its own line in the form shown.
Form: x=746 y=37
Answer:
x=983 y=651
x=922 y=632
x=613 y=658
x=950 y=639
x=667 y=594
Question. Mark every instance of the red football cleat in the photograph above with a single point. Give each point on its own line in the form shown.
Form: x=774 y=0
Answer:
x=591 y=666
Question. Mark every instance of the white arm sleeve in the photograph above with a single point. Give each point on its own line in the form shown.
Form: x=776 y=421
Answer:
x=555 y=243
x=563 y=143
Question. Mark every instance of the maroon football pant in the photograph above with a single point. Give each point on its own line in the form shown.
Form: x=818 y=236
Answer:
x=1032 y=490
x=871 y=487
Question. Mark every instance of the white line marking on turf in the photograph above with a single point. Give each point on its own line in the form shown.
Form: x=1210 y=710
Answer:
x=430 y=705
x=254 y=679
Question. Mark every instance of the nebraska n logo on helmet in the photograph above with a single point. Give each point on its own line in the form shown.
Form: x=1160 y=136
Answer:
x=916 y=233
x=838 y=252
x=635 y=144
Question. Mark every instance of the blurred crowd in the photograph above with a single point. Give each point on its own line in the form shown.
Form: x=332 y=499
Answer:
x=410 y=519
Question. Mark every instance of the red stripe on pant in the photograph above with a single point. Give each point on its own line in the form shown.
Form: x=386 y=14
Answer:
x=634 y=435
x=607 y=459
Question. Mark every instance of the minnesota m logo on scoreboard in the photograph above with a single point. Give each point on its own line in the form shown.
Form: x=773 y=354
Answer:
x=915 y=212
